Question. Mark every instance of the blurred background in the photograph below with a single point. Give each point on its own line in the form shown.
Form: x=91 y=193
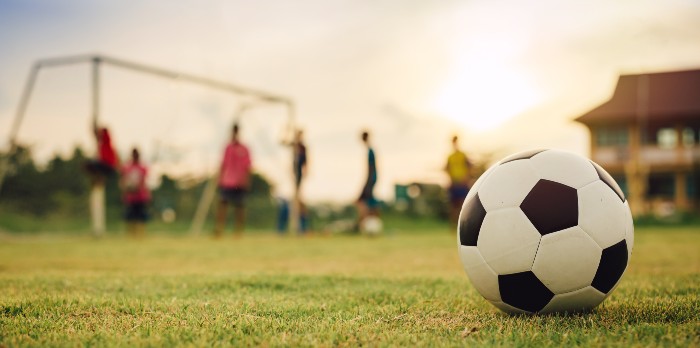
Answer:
x=618 y=82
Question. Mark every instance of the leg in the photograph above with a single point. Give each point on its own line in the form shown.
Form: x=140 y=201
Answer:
x=457 y=196
x=303 y=218
x=140 y=230
x=141 y=222
x=362 y=205
x=238 y=200
x=371 y=203
x=240 y=221
x=128 y=212
x=130 y=229
x=362 y=212
x=454 y=214
x=372 y=206
x=282 y=216
x=220 y=219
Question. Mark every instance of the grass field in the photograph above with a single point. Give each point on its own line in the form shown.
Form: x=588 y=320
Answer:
x=398 y=290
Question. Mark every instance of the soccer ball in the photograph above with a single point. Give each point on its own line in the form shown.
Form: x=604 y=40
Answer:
x=545 y=231
x=168 y=215
x=372 y=225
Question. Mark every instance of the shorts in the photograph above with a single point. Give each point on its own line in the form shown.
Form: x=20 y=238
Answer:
x=233 y=195
x=136 y=212
x=367 y=196
x=96 y=167
x=458 y=194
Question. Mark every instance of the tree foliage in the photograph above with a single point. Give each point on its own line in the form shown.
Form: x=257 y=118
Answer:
x=61 y=188
x=38 y=191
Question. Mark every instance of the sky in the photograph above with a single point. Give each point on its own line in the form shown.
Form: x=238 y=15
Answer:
x=504 y=75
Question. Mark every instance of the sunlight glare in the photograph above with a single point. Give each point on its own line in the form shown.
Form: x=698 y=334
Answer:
x=483 y=93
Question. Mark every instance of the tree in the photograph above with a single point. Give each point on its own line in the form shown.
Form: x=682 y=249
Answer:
x=61 y=189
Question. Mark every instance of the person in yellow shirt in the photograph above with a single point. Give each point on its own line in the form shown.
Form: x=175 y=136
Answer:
x=458 y=168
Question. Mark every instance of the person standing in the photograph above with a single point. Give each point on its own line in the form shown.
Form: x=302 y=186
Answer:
x=300 y=158
x=99 y=169
x=234 y=182
x=136 y=195
x=458 y=169
x=300 y=165
x=366 y=203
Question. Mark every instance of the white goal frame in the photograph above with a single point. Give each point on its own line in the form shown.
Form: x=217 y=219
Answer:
x=96 y=61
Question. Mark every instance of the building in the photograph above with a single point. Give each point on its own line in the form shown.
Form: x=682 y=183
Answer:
x=647 y=137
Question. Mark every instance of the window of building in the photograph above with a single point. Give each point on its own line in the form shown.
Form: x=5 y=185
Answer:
x=667 y=138
x=645 y=138
x=688 y=137
x=662 y=185
x=611 y=136
x=693 y=184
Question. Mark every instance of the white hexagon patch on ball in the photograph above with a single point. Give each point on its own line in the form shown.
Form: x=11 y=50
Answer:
x=545 y=231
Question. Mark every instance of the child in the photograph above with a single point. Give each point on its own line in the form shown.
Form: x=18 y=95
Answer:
x=136 y=195
x=458 y=168
x=99 y=169
x=234 y=182
x=367 y=205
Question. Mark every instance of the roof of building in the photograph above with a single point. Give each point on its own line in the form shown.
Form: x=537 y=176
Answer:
x=669 y=95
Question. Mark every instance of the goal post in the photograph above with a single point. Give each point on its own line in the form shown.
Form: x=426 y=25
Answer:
x=96 y=62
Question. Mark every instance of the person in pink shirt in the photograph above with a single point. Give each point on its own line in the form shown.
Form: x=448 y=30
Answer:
x=234 y=182
x=136 y=194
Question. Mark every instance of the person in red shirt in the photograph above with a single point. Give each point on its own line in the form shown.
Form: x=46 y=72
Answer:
x=105 y=165
x=234 y=182
x=107 y=160
x=136 y=194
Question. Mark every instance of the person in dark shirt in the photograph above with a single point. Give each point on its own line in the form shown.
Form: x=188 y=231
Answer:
x=300 y=158
x=366 y=203
x=300 y=165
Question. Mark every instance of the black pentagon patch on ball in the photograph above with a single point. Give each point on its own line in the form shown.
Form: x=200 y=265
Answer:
x=520 y=156
x=470 y=220
x=524 y=291
x=551 y=206
x=608 y=180
x=612 y=264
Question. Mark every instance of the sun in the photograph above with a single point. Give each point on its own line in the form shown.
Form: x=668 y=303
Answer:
x=482 y=92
